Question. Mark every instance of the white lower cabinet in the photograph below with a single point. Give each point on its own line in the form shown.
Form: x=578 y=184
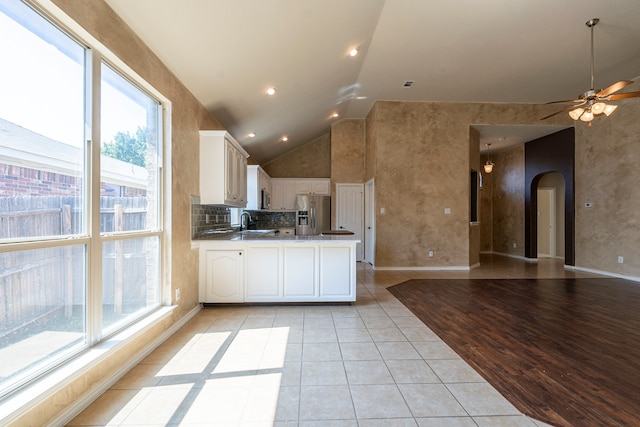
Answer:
x=277 y=271
x=300 y=272
x=336 y=273
x=222 y=274
x=263 y=273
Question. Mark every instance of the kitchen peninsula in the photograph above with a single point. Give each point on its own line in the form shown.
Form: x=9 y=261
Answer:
x=264 y=266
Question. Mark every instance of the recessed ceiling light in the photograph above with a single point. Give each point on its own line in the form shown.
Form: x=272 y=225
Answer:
x=353 y=52
x=271 y=91
x=252 y=135
x=285 y=138
x=335 y=115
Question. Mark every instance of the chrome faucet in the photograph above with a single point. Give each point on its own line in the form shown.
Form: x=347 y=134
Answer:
x=249 y=219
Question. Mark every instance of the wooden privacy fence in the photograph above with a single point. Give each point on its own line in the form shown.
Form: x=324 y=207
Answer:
x=38 y=284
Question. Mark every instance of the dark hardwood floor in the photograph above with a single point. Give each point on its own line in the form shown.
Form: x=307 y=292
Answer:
x=563 y=351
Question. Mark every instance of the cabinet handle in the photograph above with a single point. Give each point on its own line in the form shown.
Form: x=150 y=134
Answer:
x=239 y=253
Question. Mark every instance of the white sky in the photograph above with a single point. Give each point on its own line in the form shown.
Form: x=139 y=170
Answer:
x=41 y=89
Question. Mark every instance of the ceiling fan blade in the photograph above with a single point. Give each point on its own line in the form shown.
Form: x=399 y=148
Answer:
x=614 y=88
x=569 y=108
x=564 y=101
x=623 y=95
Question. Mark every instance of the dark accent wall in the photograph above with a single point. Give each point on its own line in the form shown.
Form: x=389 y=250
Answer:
x=552 y=153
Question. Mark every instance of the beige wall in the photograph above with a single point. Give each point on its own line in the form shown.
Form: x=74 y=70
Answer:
x=508 y=201
x=347 y=151
x=370 y=146
x=608 y=176
x=311 y=160
x=188 y=117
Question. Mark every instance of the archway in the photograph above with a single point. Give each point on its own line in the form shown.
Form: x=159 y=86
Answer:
x=553 y=153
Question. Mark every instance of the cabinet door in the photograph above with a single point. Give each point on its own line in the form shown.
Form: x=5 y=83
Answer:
x=321 y=187
x=337 y=273
x=263 y=273
x=289 y=200
x=223 y=276
x=230 y=179
x=277 y=194
x=303 y=187
x=300 y=272
x=283 y=194
x=264 y=182
x=241 y=180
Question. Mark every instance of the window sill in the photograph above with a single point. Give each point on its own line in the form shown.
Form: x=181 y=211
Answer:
x=28 y=397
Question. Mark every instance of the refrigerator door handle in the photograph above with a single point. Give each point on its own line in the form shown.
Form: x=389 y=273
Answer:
x=312 y=213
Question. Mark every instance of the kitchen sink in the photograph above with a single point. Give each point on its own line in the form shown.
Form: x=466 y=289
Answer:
x=256 y=232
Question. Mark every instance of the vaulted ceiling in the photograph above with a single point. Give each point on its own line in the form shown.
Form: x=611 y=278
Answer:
x=228 y=52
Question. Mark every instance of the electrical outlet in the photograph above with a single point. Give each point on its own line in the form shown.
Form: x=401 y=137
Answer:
x=514 y=245
x=447 y=211
x=620 y=260
x=430 y=254
x=206 y=218
x=177 y=294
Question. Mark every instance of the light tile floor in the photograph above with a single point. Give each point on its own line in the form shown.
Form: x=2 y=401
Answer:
x=363 y=365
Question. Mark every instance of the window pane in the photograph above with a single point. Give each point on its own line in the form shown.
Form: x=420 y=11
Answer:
x=41 y=127
x=42 y=309
x=129 y=162
x=130 y=279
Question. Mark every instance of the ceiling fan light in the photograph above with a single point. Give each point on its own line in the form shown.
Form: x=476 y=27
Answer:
x=598 y=107
x=575 y=114
x=609 y=109
x=488 y=167
x=587 y=116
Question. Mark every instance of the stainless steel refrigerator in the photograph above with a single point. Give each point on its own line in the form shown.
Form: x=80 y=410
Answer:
x=313 y=214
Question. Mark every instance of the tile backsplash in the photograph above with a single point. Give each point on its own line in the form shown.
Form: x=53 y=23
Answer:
x=217 y=216
x=221 y=217
x=273 y=220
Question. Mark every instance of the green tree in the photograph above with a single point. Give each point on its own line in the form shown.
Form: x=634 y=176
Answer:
x=128 y=148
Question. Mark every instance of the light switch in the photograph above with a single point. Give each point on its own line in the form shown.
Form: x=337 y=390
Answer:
x=382 y=211
x=447 y=211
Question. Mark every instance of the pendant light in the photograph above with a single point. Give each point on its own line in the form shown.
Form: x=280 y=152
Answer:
x=488 y=166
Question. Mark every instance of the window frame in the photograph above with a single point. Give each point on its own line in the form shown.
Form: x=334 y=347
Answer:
x=95 y=55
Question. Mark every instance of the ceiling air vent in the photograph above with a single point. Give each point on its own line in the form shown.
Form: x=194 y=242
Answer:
x=408 y=83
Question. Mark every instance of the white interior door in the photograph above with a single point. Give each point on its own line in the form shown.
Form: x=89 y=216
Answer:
x=369 y=223
x=350 y=212
x=546 y=222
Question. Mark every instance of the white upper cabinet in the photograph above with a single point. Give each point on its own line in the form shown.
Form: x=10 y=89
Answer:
x=283 y=194
x=320 y=186
x=284 y=190
x=223 y=170
x=257 y=181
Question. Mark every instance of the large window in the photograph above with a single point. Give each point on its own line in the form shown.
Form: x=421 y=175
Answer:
x=80 y=220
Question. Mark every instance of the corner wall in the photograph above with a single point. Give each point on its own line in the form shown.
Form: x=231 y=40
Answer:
x=311 y=160
x=607 y=175
x=422 y=163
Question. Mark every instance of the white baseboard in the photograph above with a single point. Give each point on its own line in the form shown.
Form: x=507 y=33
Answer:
x=520 y=257
x=603 y=273
x=82 y=403
x=440 y=268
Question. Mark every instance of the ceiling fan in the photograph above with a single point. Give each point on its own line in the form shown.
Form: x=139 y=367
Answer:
x=591 y=103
